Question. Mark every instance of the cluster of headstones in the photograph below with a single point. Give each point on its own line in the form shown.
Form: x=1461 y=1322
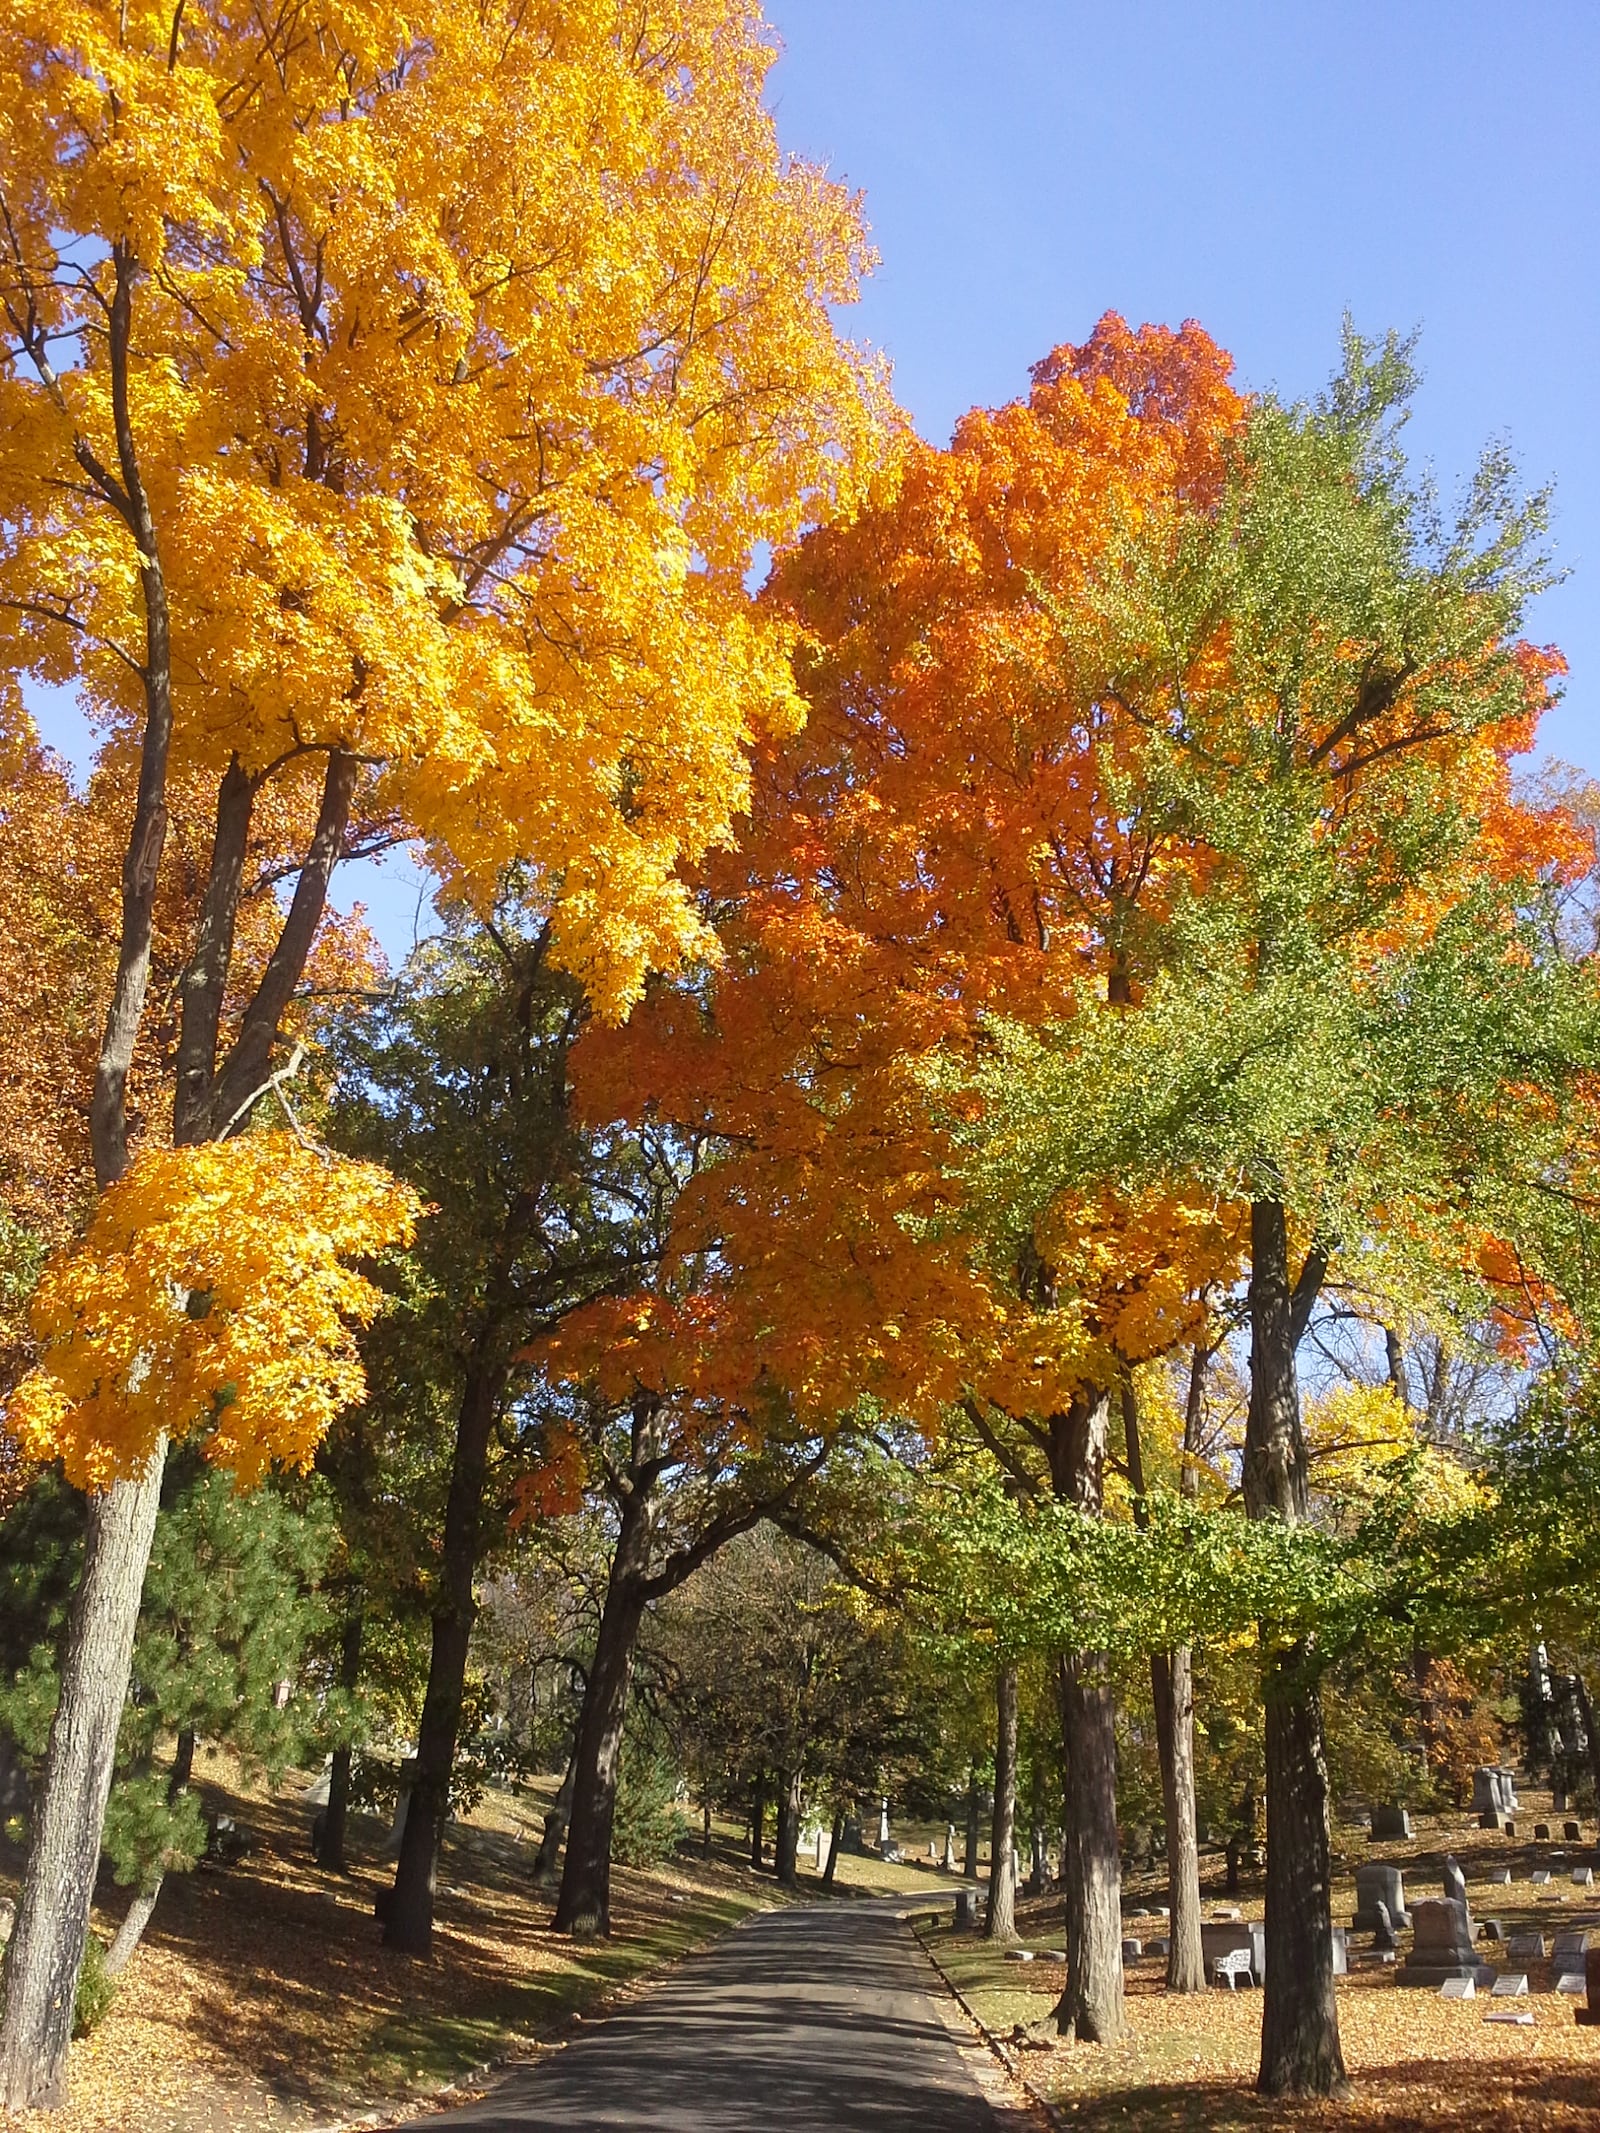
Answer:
x=1444 y=1952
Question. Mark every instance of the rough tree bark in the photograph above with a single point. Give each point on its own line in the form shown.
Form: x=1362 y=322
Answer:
x=52 y=1922
x=787 y=1843
x=45 y=1952
x=1172 y=1693
x=1090 y=2008
x=336 y=1815
x=554 y=1831
x=408 y=1915
x=1000 y=1918
x=1300 y=2052
x=758 y=1819
x=834 y=1841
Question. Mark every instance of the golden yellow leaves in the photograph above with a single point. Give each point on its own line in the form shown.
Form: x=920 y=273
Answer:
x=478 y=356
x=210 y=1297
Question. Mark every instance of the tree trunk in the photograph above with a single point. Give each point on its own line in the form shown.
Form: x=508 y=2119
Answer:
x=555 y=1829
x=969 y=1864
x=1000 y=1923
x=182 y=1764
x=705 y=1829
x=584 y=1904
x=1172 y=1684
x=45 y=1952
x=1591 y=1733
x=336 y=1815
x=408 y=1923
x=834 y=1842
x=758 y=1818
x=52 y=1923
x=1172 y=1693
x=787 y=1848
x=1090 y=2008
x=131 y=1931
x=1300 y=2053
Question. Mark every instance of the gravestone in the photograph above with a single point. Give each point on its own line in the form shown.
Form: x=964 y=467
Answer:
x=1513 y=1985
x=1583 y=1877
x=824 y=1844
x=1441 y=1945
x=1494 y=1819
x=1571 y=1984
x=1516 y=2017
x=1456 y=1988
x=1494 y=1790
x=966 y=1910
x=1159 y=1946
x=1383 y=1940
x=1375 y=1885
x=883 y=1827
x=1590 y=2016
x=1019 y=1955
x=1572 y=1832
x=1526 y=1947
x=1227 y=1914
x=1389 y=1824
x=1508 y=1828
x=1502 y=1880
x=1492 y=1929
x=1455 y=1882
x=1568 y=1950
x=851 y=1839
x=1132 y=1950
x=949 y=1861
x=1541 y=1879
x=1558 y=1801
x=1541 y=1832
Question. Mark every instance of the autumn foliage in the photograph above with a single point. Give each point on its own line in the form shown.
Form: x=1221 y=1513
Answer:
x=209 y=1296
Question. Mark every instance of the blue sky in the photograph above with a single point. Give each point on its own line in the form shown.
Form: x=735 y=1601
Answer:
x=1262 y=166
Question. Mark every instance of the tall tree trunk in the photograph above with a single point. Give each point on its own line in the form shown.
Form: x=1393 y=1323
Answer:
x=1090 y=2008
x=758 y=1818
x=1591 y=1734
x=584 y=1904
x=791 y=1794
x=834 y=1841
x=1300 y=2052
x=336 y=1815
x=1172 y=1685
x=1000 y=1921
x=45 y=1952
x=408 y=1922
x=1172 y=1694
x=555 y=1829
x=969 y=1863
x=52 y=1923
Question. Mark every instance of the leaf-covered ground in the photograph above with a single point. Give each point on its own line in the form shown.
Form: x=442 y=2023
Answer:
x=1416 y=2061
x=261 y=2000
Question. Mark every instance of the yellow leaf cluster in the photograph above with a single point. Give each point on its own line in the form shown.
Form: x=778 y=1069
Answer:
x=210 y=1296
x=476 y=359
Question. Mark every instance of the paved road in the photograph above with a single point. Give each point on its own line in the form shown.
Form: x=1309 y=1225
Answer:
x=811 y=2020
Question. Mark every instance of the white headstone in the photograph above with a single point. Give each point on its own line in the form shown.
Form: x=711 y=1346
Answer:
x=1457 y=1988
x=1572 y=1983
x=1514 y=2015
x=1512 y=1986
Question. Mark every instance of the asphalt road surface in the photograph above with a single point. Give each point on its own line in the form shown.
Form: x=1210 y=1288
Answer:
x=817 y=2019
